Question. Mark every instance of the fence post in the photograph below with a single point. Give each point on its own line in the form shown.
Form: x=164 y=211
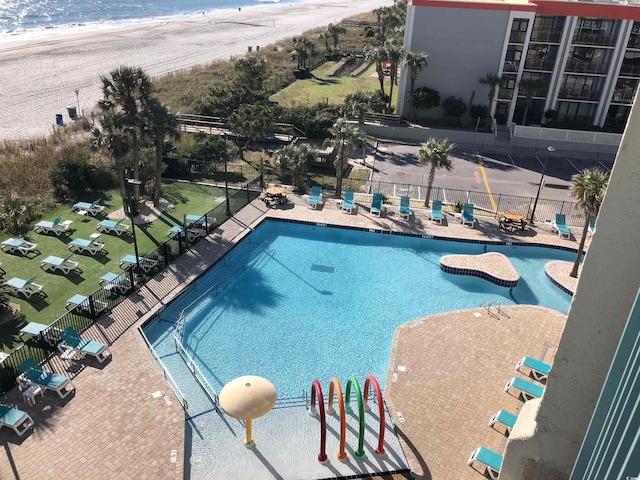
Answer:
x=132 y=278
x=498 y=204
x=92 y=308
x=165 y=254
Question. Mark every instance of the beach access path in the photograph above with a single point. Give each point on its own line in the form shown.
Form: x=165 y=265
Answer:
x=40 y=74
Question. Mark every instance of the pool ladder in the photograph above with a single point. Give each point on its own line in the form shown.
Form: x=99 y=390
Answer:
x=496 y=305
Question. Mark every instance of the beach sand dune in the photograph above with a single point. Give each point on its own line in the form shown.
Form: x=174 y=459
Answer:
x=39 y=76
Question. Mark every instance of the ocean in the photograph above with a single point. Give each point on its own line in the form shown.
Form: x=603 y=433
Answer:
x=33 y=16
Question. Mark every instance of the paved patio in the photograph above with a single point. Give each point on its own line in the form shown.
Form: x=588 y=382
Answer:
x=124 y=421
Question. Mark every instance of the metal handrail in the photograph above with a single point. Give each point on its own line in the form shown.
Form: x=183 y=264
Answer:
x=197 y=374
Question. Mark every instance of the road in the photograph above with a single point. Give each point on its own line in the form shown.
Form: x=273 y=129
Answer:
x=506 y=174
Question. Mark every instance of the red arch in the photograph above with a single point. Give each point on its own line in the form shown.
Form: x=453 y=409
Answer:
x=372 y=380
x=315 y=387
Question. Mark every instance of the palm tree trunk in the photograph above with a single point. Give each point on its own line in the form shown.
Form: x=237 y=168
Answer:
x=136 y=164
x=524 y=115
x=380 y=77
x=411 y=89
x=576 y=264
x=391 y=91
x=432 y=175
x=158 y=182
x=339 y=169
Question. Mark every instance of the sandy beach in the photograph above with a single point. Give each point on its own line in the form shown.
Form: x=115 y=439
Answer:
x=39 y=76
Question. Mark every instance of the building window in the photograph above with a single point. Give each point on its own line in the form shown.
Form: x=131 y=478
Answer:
x=547 y=29
x=625 y=90
x=576 y=113
x=518 y=30
x=588 y=60
x=581 y=87
x=630 y=64
x=512 y=58
x=537 y=84
x=592 y=31
x=617 y=116
x=634 y=39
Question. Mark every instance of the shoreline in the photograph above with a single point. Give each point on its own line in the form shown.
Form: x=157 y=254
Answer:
x=39 y=75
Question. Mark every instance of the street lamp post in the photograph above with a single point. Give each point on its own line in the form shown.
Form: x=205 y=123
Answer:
x=133 y=181
x=550 y=149
x=226 y=182
x=78 y=102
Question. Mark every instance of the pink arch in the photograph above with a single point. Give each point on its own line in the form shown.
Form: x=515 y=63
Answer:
x=315 y=387
x=372 y=380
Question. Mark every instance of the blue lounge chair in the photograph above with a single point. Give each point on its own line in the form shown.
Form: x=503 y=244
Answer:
x=527 y=389
x=55 y=264
x=538 y=370
x=490 y=459
x=198 y=219
x=16 y=419
x=57 y=226
x=92 y=246
x=467 y=214
x=13 y=245
x=592 y=226
x=73 y=340
x=376 y=204
x=314 y=198
x=404 y=210
x=26 y=287
x=90 y=208
x=32 y=372
x=145 y=263
x=193 y=232
x=436 y=211
x=113 y=281
x=505 y=418
x=347 y=203
x=560 y=225
x=82 y=303
x=109 y=226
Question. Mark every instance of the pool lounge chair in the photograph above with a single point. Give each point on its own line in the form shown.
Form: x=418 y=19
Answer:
x=25 y=287
x=57 y=226
x=91 y=208
x=538 y=370
x=57 y=264
x=347 y=203
x=192 y=232
x=490 y=459
x=527 y=389
x=376 y=204
x=112 y=281
x=147 y=264
x=71 y=339
x=436 y=211
x=16 y=419
x=560 y=226
x=467 y=214
x=34 y=373
x=109 y=226
x=80 y=245
x=592 y=227
x=196 y=219
x=404 y=210
x=82 y=303
x=18 y=245
x=505 y=418
x=314 y=198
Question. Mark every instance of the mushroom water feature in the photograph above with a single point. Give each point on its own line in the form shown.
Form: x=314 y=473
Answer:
x=246 y=398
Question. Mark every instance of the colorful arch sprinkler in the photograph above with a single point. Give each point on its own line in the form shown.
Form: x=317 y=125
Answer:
x=342 y=454
x=372 y=380
x=315 y=389
x=352 y=381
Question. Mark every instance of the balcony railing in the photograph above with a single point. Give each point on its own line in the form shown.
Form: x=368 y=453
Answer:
x=585 y=94
x=540 y=92
x=625 y=97
x=548 y=36
x=517 y=37
x=505 y=93
x=630 y=70
x=585 y=67
x=510 y=66
x=594 y=39
x=533 y=63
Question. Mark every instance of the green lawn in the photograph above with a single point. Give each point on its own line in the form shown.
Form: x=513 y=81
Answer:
x=321 y=88
x=187 y=199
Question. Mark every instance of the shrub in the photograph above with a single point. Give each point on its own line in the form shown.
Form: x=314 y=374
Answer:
x=71 y=176
x=14 y=213
x=551 y=114
x=425 y=98
x=480 y=111
x=454 y=106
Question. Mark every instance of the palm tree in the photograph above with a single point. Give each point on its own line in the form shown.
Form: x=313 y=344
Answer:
x=346 y=137
x=304 y=49
x=494 y=82
x=378 y=55
x=14 y=212
x=128 y=90
x=528 y=87
x=5 y=290
x=161 y=124
x=114 y=141
x=435 y=153
x=356 y=104
x=588 y=188
x=294 y=160
x=395 y=54
x=324 y=36
x=415 y=61
x=334 y=32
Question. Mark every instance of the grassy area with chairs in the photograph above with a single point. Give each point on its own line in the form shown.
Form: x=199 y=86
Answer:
x=186 y=198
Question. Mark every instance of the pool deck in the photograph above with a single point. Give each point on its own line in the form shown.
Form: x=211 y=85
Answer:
x=124 y=421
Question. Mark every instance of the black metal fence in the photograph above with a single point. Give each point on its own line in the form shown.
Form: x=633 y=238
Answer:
x=43 y=348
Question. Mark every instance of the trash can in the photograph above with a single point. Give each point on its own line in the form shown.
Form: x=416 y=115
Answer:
x=71 y=110
x=58 y=119
x=257 y=48
x=249 y=48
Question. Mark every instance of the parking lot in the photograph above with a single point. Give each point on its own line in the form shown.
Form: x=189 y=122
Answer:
x=499 y=174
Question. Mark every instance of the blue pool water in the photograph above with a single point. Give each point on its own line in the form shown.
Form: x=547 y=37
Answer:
x=298 y=302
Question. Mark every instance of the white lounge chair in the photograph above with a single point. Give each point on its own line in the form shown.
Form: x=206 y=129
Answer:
x=82 y=303
x=57 y=264
x=15 y=419
x=112 y=281
x=109 y=226
x=81 y=346
x=57 y=226
x=80 y=245
x=147 y=264
x=90 y=208
x=25 y=287
x=193 y=232
x=13 y=245
x=32 y=372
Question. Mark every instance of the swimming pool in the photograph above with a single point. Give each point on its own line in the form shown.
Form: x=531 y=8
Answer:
x=293 y=302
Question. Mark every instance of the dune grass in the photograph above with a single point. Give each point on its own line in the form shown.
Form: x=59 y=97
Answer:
x=187 y=199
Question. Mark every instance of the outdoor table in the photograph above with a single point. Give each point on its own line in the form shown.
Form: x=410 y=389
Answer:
x=511 y=221
x=274 y=196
